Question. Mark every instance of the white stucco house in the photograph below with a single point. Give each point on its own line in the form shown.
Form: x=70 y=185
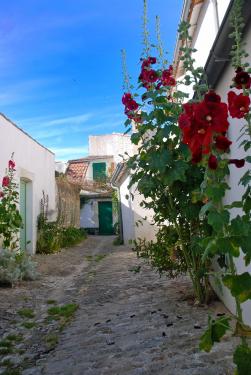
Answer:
x=35 y=173
x=98 y=214
x=210 y=36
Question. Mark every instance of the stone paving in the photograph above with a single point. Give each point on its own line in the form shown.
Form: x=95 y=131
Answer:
x=134 y=324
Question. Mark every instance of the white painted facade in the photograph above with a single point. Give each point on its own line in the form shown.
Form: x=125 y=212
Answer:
x=115 y=144
x=136 y=220
x=89 y=217
x=109 y=160
x=236 y=190
x=35 y=165
x=203 y=39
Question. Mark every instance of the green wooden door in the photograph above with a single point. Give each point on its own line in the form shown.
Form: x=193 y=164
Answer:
x=23 y=239
x=99 y=171
x=105 y=217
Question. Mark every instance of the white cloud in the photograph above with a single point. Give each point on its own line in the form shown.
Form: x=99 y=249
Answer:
x=67 y=153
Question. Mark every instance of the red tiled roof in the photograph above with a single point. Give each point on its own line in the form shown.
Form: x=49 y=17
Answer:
x=76 y=170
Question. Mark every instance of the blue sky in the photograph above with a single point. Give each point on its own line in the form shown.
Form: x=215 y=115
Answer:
x=60 y=65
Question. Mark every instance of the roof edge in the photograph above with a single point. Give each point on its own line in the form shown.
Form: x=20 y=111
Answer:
x=24 y=132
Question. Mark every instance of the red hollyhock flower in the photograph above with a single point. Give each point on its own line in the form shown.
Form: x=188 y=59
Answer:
x=133 y=116
x=150 y=76
x=212 y=116
x=132 y=105
x=126 y=98
x=242 y=79
x=211 y=98
x=11 y=164
x=1 y=194
x=212 y=162
x=152 y=60
x=166 y=78
x=238 y=104
x=239 y=163
x=222 y=143
x=6 y=181
x=197 y=156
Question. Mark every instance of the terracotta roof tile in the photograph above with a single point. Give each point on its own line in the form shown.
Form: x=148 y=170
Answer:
x=76 y=170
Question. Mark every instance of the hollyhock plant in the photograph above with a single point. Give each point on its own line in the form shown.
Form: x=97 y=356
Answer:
x=238 y=105
x=10 y=219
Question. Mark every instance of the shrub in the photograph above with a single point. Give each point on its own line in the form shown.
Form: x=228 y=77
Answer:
x=48 y=237
x=52 y=237
x=71 y=236
x=16 y=266
x=165 y=254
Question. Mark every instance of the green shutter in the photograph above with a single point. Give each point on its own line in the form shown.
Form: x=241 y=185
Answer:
x=99 y=171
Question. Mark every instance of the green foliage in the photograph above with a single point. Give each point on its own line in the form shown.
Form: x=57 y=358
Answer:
x=239 y=285
x=48 y=237
x=16 y=266
x=26 y=313
x=65 y=310
x=242 y=359
x=10 y=218
x=215 y=331
x=71 y=236
x=165 y=255
x=52 y=237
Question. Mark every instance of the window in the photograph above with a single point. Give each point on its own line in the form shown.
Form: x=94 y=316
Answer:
x=99 y=171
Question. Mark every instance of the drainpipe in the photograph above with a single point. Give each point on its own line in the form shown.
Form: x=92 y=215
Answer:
x=120 y=218
x=216 y=15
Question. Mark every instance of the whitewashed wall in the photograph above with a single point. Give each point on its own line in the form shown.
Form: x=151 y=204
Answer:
x=89 y=213
x=127 y=212
x=35 y=164
x=108 y=161
x=132 y=213
x=111 y=144
x=236 y=190
x=207 y=29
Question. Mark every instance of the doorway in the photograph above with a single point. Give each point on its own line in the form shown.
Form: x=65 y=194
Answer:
x=105 y=217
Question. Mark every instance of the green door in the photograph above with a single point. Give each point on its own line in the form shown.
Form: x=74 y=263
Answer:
x=105 y=217
x=23 y=240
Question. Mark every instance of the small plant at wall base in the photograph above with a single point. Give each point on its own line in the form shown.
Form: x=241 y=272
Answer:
x=15 y=265
x=52 y=237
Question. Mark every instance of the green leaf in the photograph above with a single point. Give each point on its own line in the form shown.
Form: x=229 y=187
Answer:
x=236 y=204
x=215 y=331
x=204 y=209
x=218 y=219
x=176 y=173
x=239 y=285
x=216 y=193
x=242 y=359
x=239 y=226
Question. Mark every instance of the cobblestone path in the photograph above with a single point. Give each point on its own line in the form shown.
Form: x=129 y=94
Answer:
x=134 y=324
